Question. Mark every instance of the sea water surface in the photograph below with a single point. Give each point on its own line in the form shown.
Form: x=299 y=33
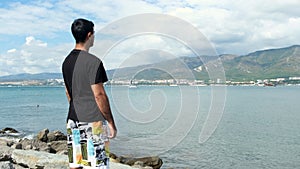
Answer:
x=260 y=126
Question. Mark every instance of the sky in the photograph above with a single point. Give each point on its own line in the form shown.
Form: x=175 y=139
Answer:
x=35 y=35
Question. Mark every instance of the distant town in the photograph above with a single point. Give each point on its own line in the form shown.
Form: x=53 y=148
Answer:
x=165 y=82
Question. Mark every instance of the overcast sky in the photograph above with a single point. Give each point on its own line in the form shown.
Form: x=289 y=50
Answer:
x=35 y=35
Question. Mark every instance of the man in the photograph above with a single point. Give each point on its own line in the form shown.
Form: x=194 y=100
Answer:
x=89 y=108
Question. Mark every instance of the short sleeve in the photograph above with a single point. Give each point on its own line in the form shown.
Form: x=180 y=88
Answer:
x=101 y=76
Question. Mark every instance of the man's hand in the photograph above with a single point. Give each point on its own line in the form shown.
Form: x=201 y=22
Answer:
x=112 y=131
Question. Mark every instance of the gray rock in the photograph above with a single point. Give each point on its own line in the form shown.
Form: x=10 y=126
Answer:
x=59 y=147
x=16 y=166
x=139 y=163
x=9 y=130
x=56 y=136
x=25 y=142
x=42 y=135
x=36 y=159
x=17 y=146
x=7 y=142
x=10 y=143
x=120 y=166
x=42 y=160
x=3 y=142
x=6 y=165
x=28 y=147
x=154 y=162
x=35 y=144
x=5 y=153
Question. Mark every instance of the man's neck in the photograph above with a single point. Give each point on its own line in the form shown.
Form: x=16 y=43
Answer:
x=81 y=46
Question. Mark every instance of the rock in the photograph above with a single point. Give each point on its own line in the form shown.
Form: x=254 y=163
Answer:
x=6 y=142
x=119 y=166
x=55 y=142
x=9 y=130
x=28 y=147
x=112 y=155
x=6 y=165
x=19 y=159
x=139 y=163
x=9 y=143
x=154 y=162
x=5 y=153
x=42 y=135
x=3 y=142
x=36 y=159
x=17 y=146
x=56 y=136
x=16 y=166
x=26 y=143
x=35 y=144
x=60 y=147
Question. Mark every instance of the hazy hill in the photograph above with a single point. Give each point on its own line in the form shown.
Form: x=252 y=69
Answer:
x=27 y=76
x=272 y=63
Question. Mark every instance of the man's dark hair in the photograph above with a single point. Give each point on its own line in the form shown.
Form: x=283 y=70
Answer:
x=80 y=28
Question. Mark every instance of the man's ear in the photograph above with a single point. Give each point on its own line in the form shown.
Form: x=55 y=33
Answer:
x=88 y=36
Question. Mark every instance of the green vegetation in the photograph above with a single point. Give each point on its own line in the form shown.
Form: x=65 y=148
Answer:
x=265 y=64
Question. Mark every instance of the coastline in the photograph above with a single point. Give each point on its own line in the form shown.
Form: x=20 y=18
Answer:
x=48 y=150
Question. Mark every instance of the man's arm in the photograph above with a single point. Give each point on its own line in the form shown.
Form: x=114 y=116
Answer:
x=68 y=96
x=103 y=104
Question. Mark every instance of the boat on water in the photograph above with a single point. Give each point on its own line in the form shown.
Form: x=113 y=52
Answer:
x=132 y=85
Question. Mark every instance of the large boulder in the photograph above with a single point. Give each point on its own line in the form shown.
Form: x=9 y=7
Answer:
x=38 y=159
x=5 y=153
x=42 y=135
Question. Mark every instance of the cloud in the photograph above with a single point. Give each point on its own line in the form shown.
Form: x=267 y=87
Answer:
x=240 y=27
x=35 y=18
x=235 y=27
x=143 y=49
x=34 y=56
x=11 y=50
x=31 y=41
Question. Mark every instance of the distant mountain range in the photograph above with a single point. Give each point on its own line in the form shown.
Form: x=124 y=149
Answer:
x=272 y=63
x=264 y=64
x=28 y=76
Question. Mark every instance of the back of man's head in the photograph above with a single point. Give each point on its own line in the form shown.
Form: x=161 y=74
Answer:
x=80 y=29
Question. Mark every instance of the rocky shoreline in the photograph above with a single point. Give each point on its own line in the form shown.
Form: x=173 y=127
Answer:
x=48 y=150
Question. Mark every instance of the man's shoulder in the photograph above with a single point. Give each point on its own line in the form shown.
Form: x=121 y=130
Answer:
x=91 y=57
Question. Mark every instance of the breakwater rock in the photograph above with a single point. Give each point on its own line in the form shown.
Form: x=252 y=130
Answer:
x=48 y=150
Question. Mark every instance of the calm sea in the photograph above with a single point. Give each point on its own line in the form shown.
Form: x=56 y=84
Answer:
x=260 y=126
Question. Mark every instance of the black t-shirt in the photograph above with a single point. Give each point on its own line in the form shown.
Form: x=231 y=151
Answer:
x=81 y=70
